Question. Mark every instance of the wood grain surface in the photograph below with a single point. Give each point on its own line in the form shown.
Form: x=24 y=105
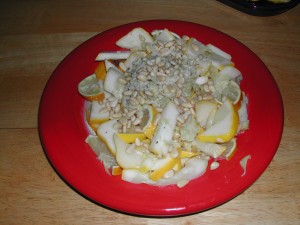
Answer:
x=36 y=35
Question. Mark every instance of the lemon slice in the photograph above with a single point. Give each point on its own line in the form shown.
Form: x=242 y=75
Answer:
x=210 y=119
x=91 y=88
x=232 y=92
x=193 y=169
x=211 y=149
x=100 y=70
x=136 y=176
x=162 y=166
x=147 y=123
x=187 y=154
x=149 y=161
x=126 y=155
x=203 y=111
x=178 y=166
x=227 y=89
x=131 y=137
x=231 y=148
x=116 y=170
x=97 y=118
x=224 y=127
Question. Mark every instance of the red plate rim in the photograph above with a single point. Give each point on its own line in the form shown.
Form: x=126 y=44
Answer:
x=62 y=130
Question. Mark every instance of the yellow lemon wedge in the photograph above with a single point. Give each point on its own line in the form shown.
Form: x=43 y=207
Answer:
x=91 y=88
x=131 y=137
x=116 y=170
x=204 y=110
x=147 y=123
x=100 y=70
x=178 y=166
x=95 y=117
x=136 y=176
x=224 y=127
x=232 y=92
x=126 y=155
x=227 y=89
x=162 y=166
x=148 y=163
x=211 y=149
x=187 y=154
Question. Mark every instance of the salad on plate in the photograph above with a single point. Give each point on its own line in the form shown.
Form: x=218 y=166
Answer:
x=165 y=109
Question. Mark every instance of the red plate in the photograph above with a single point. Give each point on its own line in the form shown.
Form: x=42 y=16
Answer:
x=63 y=132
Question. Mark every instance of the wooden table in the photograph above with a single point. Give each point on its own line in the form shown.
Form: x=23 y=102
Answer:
x=36 y=35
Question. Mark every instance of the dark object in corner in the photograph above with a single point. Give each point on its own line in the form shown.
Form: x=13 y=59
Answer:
x=260 y=7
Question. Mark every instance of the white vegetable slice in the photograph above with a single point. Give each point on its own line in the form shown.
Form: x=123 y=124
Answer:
x=219 y=52
x=106 y=133
x=111 y=83
x=219 y=61
x=133 y=39
x=230 y=71
x=164 y=132
x=136 y=176
x=165 y=36
x=112 y=55
x=155 y=33
x=109 y=64
x=195 y=47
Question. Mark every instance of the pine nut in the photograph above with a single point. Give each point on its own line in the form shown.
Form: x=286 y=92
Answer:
x=214 y=165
